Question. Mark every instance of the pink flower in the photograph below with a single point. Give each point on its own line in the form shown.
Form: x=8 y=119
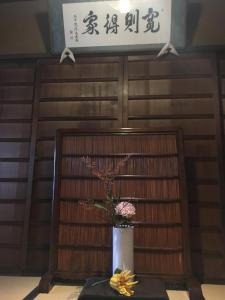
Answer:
x=125 y=209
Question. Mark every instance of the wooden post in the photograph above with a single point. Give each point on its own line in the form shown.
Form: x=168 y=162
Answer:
x=34 y=128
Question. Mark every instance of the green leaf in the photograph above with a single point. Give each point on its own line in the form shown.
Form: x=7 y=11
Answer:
x=100 y=206
x=99 y=282
x=117 y=271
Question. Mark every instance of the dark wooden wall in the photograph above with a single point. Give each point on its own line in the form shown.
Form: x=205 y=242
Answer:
x=16 y=101
x=38 y=97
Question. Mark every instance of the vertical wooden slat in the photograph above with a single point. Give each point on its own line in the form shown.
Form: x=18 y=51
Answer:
x=184 y=210
x=219 y=140
x=120 y=92
x=34 y=128
x=55 y=209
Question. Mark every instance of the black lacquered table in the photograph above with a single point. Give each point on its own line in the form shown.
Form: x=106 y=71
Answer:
x=146 y=289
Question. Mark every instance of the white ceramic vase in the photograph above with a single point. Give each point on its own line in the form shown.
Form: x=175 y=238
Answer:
x=123 y=248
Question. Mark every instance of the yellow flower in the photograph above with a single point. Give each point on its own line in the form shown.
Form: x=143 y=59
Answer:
x=122 y=282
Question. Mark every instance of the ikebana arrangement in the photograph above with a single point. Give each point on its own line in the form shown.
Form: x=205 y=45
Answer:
x=121 y=213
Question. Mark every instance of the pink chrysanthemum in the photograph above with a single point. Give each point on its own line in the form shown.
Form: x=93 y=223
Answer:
x=125 y=209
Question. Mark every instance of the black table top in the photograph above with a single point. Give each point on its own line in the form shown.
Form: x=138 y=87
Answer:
x=146 y=289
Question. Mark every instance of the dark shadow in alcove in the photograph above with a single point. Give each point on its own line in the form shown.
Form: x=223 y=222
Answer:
x=43 y=24
x=193 y=16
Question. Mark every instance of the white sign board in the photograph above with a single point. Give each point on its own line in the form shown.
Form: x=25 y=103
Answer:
x=103 y=23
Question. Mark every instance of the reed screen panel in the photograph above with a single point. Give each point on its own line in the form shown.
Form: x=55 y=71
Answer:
x=152 y=178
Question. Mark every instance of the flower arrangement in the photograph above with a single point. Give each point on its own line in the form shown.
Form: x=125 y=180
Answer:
x=121 y=212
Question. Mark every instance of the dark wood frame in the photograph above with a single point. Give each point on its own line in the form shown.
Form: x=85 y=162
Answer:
x=187 y=280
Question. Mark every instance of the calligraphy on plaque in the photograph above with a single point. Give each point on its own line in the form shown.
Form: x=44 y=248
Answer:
x=101 y=23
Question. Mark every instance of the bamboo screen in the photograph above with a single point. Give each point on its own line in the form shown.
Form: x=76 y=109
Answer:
x=151 y=178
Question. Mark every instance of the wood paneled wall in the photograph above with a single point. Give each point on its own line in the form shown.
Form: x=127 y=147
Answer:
x=183 y=93
x=16 y=102
x=122 y=91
